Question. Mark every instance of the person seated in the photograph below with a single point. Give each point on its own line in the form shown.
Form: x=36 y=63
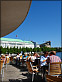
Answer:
x=43 y=63
x=32 y=59
x=18 y=59
x=7 y=56
x=25 y=56
x=21 y=57
x=29 y=56
x=53 y=57
x=24 y=59
x=18 y=55
x=3 y=58
x=43 y=59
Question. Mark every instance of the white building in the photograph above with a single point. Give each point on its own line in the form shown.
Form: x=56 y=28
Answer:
x=8 y=42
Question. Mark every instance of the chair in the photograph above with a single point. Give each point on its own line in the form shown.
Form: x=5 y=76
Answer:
x=2 y=68
x=55 y=69
x=11 y=59
x=54 y=72
x=7 y=61
x=23 y=61
x=53 y=79
x=32 y=69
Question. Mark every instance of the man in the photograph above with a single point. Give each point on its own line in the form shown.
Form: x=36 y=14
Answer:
x=43 y=63
x=53 y=57
x=18 y=59
x=44 y=58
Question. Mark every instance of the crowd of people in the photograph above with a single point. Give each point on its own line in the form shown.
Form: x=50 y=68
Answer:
x=23 y=58
x=42 y=60
x=36 y=59
x=47 y=57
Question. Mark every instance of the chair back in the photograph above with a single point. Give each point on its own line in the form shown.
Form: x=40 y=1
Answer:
x=55 y=68
x=29 y=67
x=8 y=60
x=1 y=65
x=11 y=58
x=37 y=61
x=53 y=79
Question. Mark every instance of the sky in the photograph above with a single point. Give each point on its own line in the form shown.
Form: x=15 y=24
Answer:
x=43 y=23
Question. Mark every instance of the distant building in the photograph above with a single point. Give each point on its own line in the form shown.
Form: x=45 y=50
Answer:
x=46 y=44
x=9 y=42
x=35 y=44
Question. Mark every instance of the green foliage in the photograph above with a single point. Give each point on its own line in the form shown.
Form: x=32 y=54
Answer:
x=16 y=50
x=19 y=50
x=59 y=49
x=29 y=49
x=11 y=50
x=34 y=49
x=48 y=49
x=38 y=49
x=24 y=50
x=7 y=50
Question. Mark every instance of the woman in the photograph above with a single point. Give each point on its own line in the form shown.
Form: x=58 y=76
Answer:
x=32 y=59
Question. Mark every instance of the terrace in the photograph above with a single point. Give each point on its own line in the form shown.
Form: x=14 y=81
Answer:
x=18 y=74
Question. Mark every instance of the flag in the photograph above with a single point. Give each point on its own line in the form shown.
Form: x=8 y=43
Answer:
x=16 y=35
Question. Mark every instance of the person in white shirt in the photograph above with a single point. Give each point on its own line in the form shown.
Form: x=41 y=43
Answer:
x=43 y=59
x=43 y=63
x=33 y=58
x=18 y=55
x=18 y=59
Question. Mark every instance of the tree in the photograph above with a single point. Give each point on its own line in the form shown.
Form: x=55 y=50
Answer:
x=19 y=50
x=34 y=49
x=7 y=50
x=24 y=50
x=38 y=49
x=11 y=50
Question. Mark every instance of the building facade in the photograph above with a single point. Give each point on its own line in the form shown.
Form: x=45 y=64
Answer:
x=35 y=44
x=46 y=44
x=8 y=42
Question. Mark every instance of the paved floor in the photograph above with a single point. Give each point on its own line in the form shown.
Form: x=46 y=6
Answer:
x=18 y=74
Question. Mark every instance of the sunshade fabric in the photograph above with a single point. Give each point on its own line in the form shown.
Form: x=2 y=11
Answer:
x=13 y=13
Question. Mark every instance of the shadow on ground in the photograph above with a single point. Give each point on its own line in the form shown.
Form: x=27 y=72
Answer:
x=37 y=78
x=22 y=68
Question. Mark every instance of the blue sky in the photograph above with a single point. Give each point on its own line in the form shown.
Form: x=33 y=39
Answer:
x=43 y=23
